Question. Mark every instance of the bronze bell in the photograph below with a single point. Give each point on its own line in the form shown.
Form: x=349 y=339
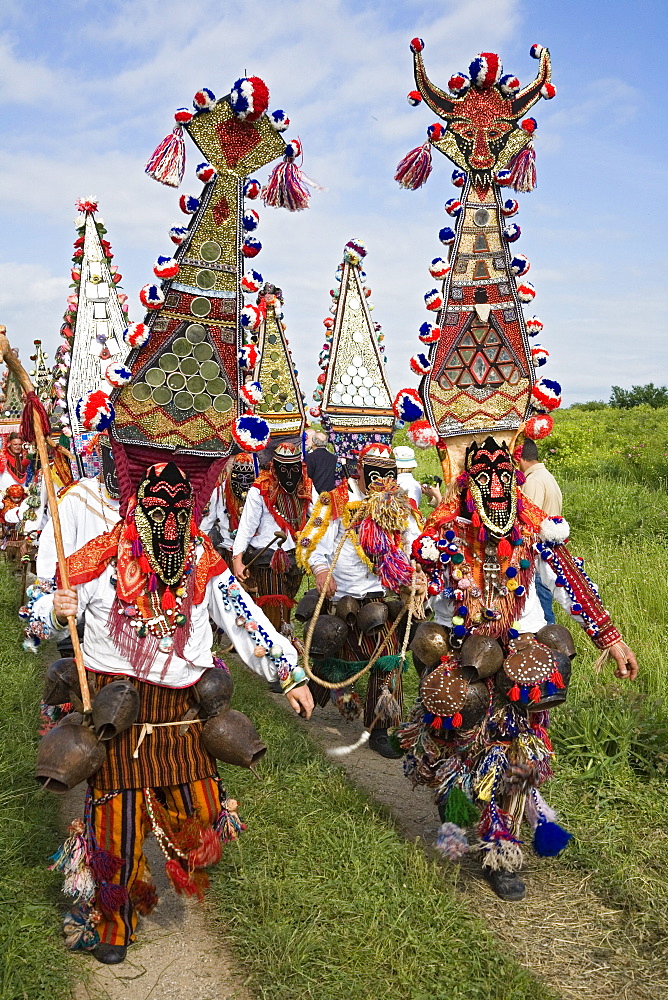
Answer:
x=483 y=654
x=557 y=637
x=213 y=691
x=68 y=754
x=329 y=635
x=60 y=680
x=306 y=604
x=115 y=709
x=232 y=738
x=474 y=709
x=394 y=608
x=562 y=663
x=372 y=617
x=430 y=643
x=347 y=609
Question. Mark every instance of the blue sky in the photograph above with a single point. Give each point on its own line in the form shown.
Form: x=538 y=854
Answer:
x=88 y=89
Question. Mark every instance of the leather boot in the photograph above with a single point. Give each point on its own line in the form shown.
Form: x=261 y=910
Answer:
x=110 y=954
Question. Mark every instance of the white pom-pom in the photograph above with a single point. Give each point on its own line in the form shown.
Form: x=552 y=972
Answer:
x=554 y=530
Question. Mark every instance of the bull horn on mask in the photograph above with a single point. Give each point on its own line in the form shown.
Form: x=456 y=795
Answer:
x=232 y=738
x=68 y=754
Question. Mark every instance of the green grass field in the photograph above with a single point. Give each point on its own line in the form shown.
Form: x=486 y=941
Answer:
x=321 y=898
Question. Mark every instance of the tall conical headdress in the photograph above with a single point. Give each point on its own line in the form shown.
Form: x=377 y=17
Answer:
x=41 y=377
x=479 y=368
x=355 y=402
x=88 y=363
x=275 y=377
x=181 y=392
x=11 y=402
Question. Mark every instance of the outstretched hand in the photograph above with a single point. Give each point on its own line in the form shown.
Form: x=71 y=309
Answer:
x=627 y=667
x=301 y=699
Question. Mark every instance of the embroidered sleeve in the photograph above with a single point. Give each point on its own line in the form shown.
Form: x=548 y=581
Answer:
x=581 y=592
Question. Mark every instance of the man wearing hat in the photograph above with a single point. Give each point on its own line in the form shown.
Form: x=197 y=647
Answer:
x=377 y=522
x=277 y=504
x=405 y=457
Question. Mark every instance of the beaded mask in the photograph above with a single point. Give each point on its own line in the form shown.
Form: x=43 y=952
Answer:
x=162 y=516
x=242 y=477
x=492 y=484
x=109 y=476
x=289 y=474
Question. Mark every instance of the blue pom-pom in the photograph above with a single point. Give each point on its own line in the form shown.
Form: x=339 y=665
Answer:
x=450 y=535
x=462 y=611
x=550 y=839
x=459 y=630
x=447 y=235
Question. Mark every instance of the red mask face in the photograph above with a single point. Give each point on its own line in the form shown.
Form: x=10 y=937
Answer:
x=163 y=513
x=492 y=484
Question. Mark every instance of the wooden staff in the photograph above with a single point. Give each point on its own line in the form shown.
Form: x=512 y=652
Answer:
x=17 y=368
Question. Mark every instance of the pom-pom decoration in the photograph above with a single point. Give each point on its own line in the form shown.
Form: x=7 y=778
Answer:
x=355 y=251
x=177 y=234
x=554 y=530
x=420 y=364
x=485 y=70
x=529 y=125
x=539 y=426
x=447 y=235
x=429 y=334
x=117 y=374
x=252 y=393
x=251 y=247
x=205 y=172
x=328 y=323
x=439 y=268
x=278 y=120
x=534 y=326
x=248 y=357
x=509 y=85
x=252 y=281
x=548 y=91
x=539 y=356
x=183 y=115
x=249 y=98
x=250 y=432
x=165 y=268
x=459 y=178
x=546 y=395
x=252 y=188
x=536 y=51
x=408 y=406
x=433 y=300
x=250 y=317
x=525 y=291
x=512 y=232
x=459 y=84
x=451 y=841
x=417 y=45
x=94 y=411
x=414 y=169
x=188 y=204
x=251 y=220
x=151 y=296
x=414 y=97
x=422 y=434
x=453 y=207
x=86 y=205
x=204 y=99
x=136 y=334
x=519 y=264
x=550 y=839
x=510 y=207
x=435 y=132
x=293 y=148
x=504 y=178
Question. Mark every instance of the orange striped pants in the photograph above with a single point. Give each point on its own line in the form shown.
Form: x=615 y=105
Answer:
x=120 y=826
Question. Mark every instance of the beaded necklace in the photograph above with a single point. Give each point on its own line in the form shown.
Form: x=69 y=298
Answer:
x=160 y=615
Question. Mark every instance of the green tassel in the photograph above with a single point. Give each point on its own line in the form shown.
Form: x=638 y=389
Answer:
x=338 y=671
x=459 y=810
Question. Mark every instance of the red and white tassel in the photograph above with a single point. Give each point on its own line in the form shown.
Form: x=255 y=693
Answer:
x=286 y=187
x=522 y=169
x=414 y=169
x=168 y=161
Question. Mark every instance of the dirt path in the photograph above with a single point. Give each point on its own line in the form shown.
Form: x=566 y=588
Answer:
x=179 y=951
x=562 y=930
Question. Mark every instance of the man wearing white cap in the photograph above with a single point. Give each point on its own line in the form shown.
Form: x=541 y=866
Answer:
x=405 y=462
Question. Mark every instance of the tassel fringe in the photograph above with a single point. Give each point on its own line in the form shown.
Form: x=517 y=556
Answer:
x=286 y=188
x=413 y=171
x=167 y=163
x=523 y=169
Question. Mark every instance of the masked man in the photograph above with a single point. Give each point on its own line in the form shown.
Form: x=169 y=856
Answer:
x=221 y=522
x=148 y=588
x=278 y=502
x=492 y=666
x=379 y=523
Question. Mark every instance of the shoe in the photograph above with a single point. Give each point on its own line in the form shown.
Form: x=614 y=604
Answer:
x=379 y=742
x=110 y=954
x=275 y=687
x=508 y=886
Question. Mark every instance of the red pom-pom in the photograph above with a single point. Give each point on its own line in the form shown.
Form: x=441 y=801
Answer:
x=457 y=720
x=534 y=693
x=422 y=434
x=514 y=693
x=504 y=549
x=539 y=426
x=417 y=45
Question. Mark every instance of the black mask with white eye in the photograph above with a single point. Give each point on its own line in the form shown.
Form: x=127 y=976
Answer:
x=109 y=476
x=163 y=514
x=288 y=474
x=492 y=485
x=242 y=478
x=372 y=473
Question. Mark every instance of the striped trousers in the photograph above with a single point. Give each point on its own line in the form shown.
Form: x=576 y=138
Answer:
x=120 y=826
